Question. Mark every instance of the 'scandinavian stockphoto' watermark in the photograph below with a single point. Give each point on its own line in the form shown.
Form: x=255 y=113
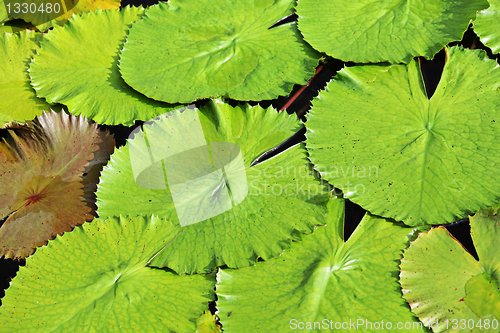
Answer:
x=279 y=180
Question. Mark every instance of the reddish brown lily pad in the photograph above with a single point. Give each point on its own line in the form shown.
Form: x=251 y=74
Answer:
x=44 y=166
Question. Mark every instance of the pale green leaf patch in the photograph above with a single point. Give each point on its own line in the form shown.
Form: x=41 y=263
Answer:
x=77 y=66
x=323 y=282
x=284 y=198
x=443 y=283
x=96 y=279
x=378 y=31
x=190 y=50
x=374 y=134
x=487 y=26
x=19 y=101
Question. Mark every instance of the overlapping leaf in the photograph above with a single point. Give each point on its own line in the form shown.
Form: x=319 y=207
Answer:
x=19 y=101
x=189 y=50
x=41 y=167
x=283 y=196
x=446 y=286
x=376 y=135
x=487 y=26
x=349 y=285
x=377 y=30
x=77 y=66
x=95 y=279
x=47 y=13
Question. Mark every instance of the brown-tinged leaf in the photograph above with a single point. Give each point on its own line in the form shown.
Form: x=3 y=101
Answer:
x=93 y=170
x=41 y=185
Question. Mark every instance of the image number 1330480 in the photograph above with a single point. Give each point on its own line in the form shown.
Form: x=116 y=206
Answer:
x=37 y=12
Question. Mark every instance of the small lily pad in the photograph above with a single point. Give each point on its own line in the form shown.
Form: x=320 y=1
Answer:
x=19 y=101
x=445 y=286
x=77 y=66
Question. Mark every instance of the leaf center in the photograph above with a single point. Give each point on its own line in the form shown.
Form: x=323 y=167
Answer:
x=33 y=192
x=34 y=198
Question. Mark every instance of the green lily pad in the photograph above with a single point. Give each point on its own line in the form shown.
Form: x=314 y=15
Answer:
x=375 y=134
x=487 y=26
x=95 y=279
x=259 y=208
x=19 y=101
x=77 y=66
x=378 y=30
x=446 y=286
x=322 y=283
x=41 y=169
x=196 y=49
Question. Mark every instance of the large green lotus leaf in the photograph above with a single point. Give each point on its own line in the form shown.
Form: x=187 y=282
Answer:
x=273 y=200
x=446 y=286
x=321 y=279
x=77 y=66
x=49 y=13
x=487 y=26
x=95 y=279
x=182 y=51
x=379 y=30
x=17 y=98
x=41 y=168
x=376 y=135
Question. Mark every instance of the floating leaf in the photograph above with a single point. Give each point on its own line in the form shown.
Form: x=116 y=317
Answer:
x=49 y=13
x=323 y=279
x=3 y=12
x=377 y=30
x=446 y=286
x=108 y=288
x=281 y=198
x=19 y=101
x=487 y=26
x=189 y=50
x=77 y=66
x=41 y=167
x=376 y=135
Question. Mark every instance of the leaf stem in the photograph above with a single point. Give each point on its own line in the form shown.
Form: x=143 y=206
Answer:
x=297 y=94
